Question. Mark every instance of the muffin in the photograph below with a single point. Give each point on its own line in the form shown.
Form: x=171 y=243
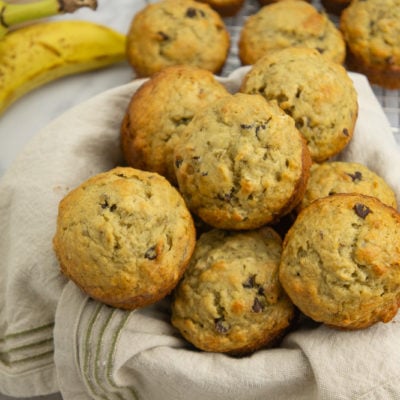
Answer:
x=335 y=177
x=371 y=29
x=226 y=8
x=241 y=163
x=289 y=24
x=325 y=110
x=124 y=237
x=230 y=299
x=158 y=113
x=335 y=6
x=172 y=32
x=340 y=262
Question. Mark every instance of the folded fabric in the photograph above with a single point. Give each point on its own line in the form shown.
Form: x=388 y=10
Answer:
x=54 y=338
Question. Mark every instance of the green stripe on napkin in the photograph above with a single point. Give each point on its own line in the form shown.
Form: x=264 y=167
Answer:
x=99 y=331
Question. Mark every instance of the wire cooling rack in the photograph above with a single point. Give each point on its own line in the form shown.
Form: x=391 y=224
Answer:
x=389 y=99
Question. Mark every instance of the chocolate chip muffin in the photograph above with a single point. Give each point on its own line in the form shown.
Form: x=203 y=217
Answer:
x=325 y=110
x=230 y=299
x=158 y=113
x=241 y=163
x=371 y=29
x=289 y=24
x=173 y=32
x=335 y=177
x=341 y=261
x=124 y=237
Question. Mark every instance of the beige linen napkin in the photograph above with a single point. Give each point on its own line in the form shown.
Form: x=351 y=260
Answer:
x=53 y=337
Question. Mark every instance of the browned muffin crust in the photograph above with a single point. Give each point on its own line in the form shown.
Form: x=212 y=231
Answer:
x=159 y=112
x=230 y=299
x=324 y=109
x=371 y=29
x=174 y=32
x=241 y=163
x=340 y=263
x=336 y=177
x=289 y=24
x=124 y=237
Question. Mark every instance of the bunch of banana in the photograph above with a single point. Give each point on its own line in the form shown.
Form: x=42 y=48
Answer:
x=14 y=14
x=33 y=55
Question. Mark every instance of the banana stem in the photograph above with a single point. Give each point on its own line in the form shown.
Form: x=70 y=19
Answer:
x=13 y=14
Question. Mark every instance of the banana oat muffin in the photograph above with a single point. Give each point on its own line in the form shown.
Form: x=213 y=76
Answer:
x=124 y=237
x=317 y=93
x=158 y=113
x=371 y=29
x=230 y=299
x=341 y=261
x=172 y=32
x=241 y=163
x=289 y=24
x=336 y=177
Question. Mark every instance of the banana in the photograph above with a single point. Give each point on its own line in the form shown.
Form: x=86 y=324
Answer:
x=39 y=53
x=13 y=14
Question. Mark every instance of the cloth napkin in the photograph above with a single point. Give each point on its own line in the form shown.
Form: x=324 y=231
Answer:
x=55 y=338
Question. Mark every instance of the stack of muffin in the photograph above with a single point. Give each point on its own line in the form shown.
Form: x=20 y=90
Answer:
x=239 y=167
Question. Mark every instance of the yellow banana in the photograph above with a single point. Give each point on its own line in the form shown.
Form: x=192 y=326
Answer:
x=14 y=14
x=34 y=55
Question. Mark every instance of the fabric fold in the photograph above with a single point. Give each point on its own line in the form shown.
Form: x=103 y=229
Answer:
x=138 y=354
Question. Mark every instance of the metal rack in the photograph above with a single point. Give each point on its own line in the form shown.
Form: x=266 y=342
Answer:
x=389 y=99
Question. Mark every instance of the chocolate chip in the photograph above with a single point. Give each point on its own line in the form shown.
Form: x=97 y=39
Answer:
x=220 y=325
x=183 y=121
x=105 y=205
x=357 y=176
x=299 y=122
x=226 y=196
x=163 y=35
x=260 y=90
x=361 y=210
x=250 y=282
x=192 y=12
x=151 y=253
x=257 y=306
x=259 y=127
x=178 y=162
x=246 y=126
x=345 y=132
x=320 y=50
